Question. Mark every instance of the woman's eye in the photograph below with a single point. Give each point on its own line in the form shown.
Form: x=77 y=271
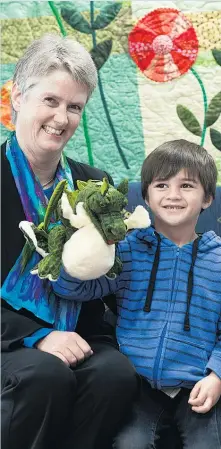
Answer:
x=51 y=101
x=75 y=108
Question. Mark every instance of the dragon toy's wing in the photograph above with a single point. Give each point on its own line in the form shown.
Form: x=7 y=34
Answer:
x=49 y=267
x=36 y=240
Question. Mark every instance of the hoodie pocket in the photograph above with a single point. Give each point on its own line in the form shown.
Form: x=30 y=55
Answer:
x=141 y=348
x=186 y=356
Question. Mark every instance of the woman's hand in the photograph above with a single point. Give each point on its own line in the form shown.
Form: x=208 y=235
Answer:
x=205 y=394
x=67 y=346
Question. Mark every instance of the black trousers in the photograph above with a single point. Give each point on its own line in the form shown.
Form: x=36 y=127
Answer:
x=46 y=405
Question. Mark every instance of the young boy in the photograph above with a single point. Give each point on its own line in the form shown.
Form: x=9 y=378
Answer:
x=169 y=303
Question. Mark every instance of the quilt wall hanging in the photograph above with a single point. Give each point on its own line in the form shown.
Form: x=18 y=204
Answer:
x=159 y=65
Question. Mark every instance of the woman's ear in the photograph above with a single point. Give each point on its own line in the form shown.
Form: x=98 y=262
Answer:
x=16 y=97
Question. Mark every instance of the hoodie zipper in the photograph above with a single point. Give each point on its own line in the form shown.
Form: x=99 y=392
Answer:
x=174 y=271
x=158 y=356
x=159 y=352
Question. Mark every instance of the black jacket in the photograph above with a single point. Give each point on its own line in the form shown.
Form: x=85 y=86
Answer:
x=16 y=325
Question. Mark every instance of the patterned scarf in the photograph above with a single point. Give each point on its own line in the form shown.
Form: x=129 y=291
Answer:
x=24 y=290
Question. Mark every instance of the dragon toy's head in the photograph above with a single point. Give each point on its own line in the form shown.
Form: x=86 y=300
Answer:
x=105 y=205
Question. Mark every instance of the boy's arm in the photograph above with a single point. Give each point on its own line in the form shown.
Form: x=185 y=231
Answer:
x=214 y=363
x=206 y=393
x=71 y=288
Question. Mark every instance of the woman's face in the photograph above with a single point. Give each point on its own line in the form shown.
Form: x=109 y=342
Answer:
x=49 y=112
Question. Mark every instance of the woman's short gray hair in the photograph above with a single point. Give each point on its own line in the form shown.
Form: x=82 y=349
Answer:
x=53 y=52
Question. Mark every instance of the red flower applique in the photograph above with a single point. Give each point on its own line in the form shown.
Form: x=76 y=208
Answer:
x=5 y=114
x=163 y=44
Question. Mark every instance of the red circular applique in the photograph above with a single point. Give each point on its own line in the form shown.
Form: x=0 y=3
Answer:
x=163 y=44
x=5 y=109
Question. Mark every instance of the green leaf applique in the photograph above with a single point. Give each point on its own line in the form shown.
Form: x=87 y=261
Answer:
x=107 y=15
x=74 y=18
x=101 y=53
x=217 y=55
x=214 y=110
x=189 y=120
x=215 y=138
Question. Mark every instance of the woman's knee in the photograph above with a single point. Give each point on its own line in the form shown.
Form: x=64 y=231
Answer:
x=113 y=370
x=122 y=376
x=49 y=377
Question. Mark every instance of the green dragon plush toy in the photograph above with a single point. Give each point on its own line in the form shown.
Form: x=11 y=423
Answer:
x=88 y=223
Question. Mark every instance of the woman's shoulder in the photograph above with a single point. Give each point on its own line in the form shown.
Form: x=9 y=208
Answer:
x=4 y=161
x=3 y=146
x=3 y=149
x=84 y=172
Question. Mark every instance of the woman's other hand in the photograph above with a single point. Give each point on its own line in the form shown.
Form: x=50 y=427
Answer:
x=67 y=346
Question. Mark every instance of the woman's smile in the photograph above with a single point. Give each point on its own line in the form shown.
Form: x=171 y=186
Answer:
x=52 y=131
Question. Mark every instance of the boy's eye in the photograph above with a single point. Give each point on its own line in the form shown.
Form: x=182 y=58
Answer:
x=161 y=185
x=187 y=186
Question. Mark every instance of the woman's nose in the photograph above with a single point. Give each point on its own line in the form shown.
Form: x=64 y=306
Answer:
x=61 y=117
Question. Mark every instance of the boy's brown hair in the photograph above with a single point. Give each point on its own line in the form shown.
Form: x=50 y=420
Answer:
x=171 y=157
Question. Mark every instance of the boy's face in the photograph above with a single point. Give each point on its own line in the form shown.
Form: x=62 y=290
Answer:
x=177 y=201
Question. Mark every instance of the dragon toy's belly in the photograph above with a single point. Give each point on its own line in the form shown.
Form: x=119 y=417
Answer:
x=86 y=256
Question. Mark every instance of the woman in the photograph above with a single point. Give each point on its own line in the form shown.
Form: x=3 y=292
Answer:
x=65 y=385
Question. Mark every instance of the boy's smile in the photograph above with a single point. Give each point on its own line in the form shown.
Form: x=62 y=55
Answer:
x=176 y=202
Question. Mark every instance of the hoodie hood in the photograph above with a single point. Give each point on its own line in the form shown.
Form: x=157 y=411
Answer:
x=208 y=241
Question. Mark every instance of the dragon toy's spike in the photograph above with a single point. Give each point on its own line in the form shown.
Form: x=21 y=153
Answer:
x=123 y=187
x=53 y=202
x=104 y=186
x=72 y=196
x=81 y=185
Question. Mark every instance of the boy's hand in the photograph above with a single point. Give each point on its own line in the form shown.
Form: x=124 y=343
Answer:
x=205 y=394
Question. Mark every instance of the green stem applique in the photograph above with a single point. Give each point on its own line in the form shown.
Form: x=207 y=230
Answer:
x=93 y=33
x=85 y=127
x=57 y=17
x=87 y=138
x=204 y=103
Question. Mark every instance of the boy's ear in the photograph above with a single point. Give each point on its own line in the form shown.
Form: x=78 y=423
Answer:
x=147 y=202
x=207 y=202
x=16 y=97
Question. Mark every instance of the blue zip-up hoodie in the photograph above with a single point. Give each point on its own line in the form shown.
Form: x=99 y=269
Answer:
x=169 y=306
